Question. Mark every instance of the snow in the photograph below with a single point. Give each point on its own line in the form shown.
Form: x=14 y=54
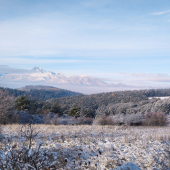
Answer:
x=83 y=75
x=79 y=147
x=128 y=166
x=38 y=74
x=162 y=98
x=38 y=69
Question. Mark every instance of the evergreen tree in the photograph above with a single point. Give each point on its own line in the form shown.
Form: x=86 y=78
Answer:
x=21 y=103
x=75 y=111
x=56 y=109
x=33 y=106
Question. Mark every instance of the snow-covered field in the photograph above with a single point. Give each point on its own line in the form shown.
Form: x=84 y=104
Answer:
x=84 y=147
x=162 y=98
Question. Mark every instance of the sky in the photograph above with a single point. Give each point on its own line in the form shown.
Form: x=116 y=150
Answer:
x=125 y=41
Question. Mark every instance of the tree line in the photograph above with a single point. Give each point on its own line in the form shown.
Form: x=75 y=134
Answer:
x=113 y=103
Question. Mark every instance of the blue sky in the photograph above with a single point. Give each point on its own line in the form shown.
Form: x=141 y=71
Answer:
x=125 y=41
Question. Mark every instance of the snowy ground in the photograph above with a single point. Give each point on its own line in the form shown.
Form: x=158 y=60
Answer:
x=162 y=98
x=88 y=147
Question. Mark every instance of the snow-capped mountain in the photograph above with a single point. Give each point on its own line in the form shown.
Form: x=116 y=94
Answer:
x=37 y=69
x=86 y=80
x=37 y=74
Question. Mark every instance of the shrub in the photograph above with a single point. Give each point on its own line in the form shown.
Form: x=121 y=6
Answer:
x=104 y=120
x=128 y=119
x=88 y=121
x=50 y=118
x=81 y=121
x=133 y=119
x=74 y=121
x=155 y=119
x=88 y=113
x=7 y=114
x=56 y=108
x=54 y=120
x=63 y=121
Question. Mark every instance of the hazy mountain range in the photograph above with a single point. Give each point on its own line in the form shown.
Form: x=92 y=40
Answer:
x=37 y=74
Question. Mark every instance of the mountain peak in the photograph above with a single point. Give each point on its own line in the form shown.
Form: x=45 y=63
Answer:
x=37 y=74
x=83 y=75
x=39 y=69
x=51 y=72
x=60 y=74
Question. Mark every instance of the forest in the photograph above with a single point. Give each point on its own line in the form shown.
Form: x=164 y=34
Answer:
x=39 y=92
x=49 y=104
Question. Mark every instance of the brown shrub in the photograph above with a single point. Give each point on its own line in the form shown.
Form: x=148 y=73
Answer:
x=155 y=119
x=50 y=119
x=54 y=120
x=81 y=121
x=104 y=120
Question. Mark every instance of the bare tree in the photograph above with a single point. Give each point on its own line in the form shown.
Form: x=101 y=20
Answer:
x=29 y=131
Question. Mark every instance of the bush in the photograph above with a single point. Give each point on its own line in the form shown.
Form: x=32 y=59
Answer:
x=88 y=121
x=134 y=119
x=81 y=121
x=7 y=114
x=27 y=118
x=56 y=108
x=155 y=119
x=63 y=121
x=50 y=118
x=104 y=120
x=54 y=120
x=128 y=119
x=74 y=121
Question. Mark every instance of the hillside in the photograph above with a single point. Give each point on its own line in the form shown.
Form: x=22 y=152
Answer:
x=113 y=103
x=38 y=87
x=40 y=92
x=96 y=100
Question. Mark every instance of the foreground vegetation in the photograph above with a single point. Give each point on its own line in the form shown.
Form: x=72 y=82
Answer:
x=143 y=137
x=84 y=147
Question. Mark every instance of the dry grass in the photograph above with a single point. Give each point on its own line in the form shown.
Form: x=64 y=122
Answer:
x=77 y=147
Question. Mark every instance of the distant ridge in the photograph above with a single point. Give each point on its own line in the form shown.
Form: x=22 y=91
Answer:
x=38 y=87
x=40 y=92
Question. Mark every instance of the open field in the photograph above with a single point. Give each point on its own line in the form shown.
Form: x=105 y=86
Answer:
x=84 y=147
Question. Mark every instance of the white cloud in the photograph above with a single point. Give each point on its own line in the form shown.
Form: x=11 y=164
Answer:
x=4 y=69
x=160 y=13
x=57 y=34
x=37 y=61
x=143 y=77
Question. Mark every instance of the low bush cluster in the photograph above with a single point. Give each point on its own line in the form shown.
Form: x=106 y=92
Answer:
x=68 y=120
x=147 y=119
x=155 y=119
x=104 y=120
x=81 y=121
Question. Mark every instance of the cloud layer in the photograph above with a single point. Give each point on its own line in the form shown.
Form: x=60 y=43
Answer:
x=94 y=37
